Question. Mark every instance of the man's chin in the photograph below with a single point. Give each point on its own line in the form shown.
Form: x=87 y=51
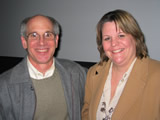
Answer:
x=44 y=61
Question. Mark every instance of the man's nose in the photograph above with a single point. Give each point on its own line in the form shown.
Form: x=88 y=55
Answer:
x=42 y=40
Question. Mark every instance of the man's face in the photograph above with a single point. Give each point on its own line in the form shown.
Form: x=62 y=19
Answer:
x=38 y=43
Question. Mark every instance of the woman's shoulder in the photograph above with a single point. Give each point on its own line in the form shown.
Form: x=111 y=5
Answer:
x=154 y=62
x=99 y=67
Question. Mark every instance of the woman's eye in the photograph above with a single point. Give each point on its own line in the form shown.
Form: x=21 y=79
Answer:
x=107 y=38
x=121 y=36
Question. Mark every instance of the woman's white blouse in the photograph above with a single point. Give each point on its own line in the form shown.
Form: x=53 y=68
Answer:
x=106 y=107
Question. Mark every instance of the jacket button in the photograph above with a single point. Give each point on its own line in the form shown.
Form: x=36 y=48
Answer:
x=32 y=87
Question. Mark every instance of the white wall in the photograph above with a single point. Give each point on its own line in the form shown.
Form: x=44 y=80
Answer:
x=78 y=19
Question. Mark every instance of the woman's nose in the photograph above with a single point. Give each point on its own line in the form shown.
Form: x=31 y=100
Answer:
x=114 y=41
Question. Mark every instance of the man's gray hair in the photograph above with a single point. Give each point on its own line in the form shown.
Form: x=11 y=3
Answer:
x=23 y=25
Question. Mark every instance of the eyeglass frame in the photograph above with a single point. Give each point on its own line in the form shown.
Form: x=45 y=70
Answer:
x=39 y=36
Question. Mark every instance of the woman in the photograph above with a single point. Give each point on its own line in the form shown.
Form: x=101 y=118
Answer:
x=124 y=85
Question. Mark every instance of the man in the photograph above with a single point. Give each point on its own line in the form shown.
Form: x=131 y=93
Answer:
x=42 y=87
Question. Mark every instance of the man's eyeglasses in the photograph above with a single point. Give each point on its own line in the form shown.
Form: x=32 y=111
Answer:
x=36 y=36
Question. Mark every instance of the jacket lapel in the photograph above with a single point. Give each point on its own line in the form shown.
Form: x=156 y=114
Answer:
x=20 y=73
x=66 y=83
x=99 y=80
x=133 y=89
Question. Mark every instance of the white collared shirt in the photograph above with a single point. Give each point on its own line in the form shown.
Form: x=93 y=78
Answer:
x=106 y=107
x=34 y=73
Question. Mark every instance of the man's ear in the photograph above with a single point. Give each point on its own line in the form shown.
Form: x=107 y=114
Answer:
x=24 y=42
x=57 y=40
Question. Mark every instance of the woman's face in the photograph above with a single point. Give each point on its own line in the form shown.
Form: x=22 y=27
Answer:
x=118 y=46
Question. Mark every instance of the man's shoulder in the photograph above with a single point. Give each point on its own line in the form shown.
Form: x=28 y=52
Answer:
x=68 y=64
x=17 y=69
x=6 y=74
x=65 y=61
